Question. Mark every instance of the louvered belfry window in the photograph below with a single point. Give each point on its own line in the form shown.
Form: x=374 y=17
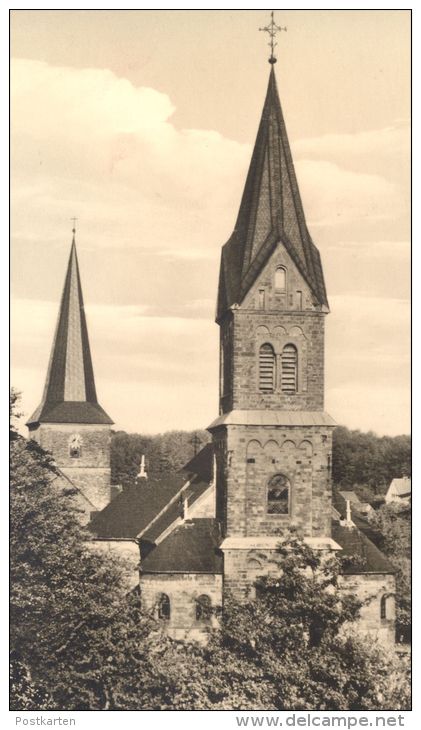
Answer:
x=266 y=368
x=289 y=370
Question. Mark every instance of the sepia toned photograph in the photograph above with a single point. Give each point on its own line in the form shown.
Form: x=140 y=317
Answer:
x=210 y=406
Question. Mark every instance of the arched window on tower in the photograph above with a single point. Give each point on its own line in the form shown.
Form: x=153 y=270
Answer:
x=280 y=279
x=278 y=495
x=267 y=368
x=203 y=608
x=289 y=374
x=164 y=607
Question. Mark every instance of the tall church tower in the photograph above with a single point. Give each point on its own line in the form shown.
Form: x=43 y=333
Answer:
x=69 y=422
x=273 y=440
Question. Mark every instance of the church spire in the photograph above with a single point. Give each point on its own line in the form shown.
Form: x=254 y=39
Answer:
x=69 y=393
x=271 y=214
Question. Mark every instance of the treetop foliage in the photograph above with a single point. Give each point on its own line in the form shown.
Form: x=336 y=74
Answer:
x=80 y=640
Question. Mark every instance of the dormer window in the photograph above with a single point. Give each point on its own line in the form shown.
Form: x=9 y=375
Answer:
x=280 y=280
x=75 y=446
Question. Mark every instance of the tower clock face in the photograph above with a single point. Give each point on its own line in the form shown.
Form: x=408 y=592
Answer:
x=75 y=446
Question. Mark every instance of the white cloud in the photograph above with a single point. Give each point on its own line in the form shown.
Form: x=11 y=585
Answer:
x=389 y=142
x=368 y=363
x=155 y=205
x=334 y=195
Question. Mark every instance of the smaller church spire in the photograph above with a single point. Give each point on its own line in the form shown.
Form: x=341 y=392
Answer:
x=272 y=29
x=69 y=393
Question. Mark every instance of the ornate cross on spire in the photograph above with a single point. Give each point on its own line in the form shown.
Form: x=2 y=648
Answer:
x=74 y=224
x=272 y=29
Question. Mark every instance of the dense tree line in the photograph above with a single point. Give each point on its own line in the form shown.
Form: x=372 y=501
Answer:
x=361 y=460
x=165 y=453
x=369 y=461
x=80 y=641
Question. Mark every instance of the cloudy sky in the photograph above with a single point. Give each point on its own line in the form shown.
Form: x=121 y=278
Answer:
x=141 y=124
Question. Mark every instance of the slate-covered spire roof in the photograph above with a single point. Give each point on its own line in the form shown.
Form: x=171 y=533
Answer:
x=69 y=393
x=271 y=211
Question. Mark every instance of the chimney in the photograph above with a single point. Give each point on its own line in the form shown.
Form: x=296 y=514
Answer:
x=143 y=474
x=348 y=512
x=347 y=521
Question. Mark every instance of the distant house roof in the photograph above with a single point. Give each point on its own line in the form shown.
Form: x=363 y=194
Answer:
x=150 y=506
x=193 y=547
x=361 y=555
x=400 y=487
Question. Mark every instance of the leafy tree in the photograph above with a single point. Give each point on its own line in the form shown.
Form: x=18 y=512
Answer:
x=80 y=641
x=74 y=629
x=368 y=462
x=291 y=649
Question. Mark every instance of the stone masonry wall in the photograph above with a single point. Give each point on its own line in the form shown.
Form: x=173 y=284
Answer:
x=373 y=587
x=243 y=567
x=248 y=456
x=91 y=470
x=127 y=551
x=183 y=590
x=267 y=315
x=304 y=330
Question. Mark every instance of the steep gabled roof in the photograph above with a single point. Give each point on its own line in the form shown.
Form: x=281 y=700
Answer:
x=361 y=555
x=69 y=393
x=401 y=487
x=150 y=507
x=190 y=548
x=359 y=520
x=271 y=212
x=132 y=510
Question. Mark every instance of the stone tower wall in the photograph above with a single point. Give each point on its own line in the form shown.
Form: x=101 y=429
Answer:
x=90 y=471
x=248 y=456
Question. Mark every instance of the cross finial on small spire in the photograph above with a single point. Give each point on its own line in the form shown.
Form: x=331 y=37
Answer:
x=74 y=225
x=195 y=442
x=272 y=29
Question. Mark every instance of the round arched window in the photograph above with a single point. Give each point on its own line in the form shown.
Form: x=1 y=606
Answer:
x=203 y=608
x=278 y=495
x=280 y=279
x=164 y=607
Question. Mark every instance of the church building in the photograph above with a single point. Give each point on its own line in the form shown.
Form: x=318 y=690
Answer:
x=214 y=526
